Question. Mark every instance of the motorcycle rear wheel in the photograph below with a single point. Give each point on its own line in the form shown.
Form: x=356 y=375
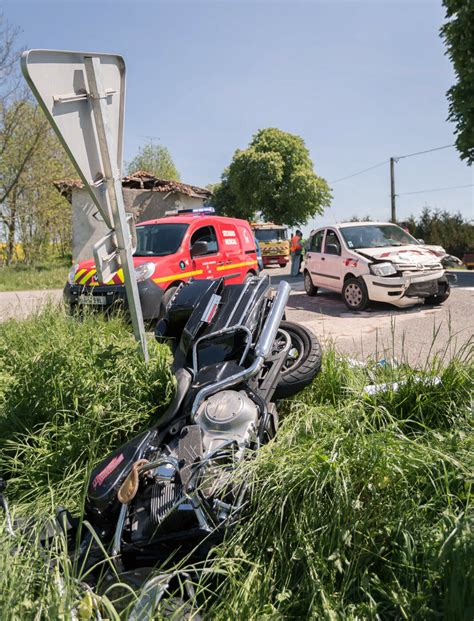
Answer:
x=300 y=369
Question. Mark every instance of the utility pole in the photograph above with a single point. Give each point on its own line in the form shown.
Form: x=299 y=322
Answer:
x=392 y=188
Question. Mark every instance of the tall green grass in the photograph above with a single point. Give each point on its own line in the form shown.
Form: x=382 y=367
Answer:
x=70 y=392
x=50 y=273
x=360 y=509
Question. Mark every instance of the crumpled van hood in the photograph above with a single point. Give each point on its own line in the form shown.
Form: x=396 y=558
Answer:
x=403 y=255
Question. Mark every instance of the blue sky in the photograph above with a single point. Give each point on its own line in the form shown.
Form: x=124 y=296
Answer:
x=359 y=81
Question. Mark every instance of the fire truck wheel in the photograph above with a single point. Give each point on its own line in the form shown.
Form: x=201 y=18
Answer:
x=303 y=363
x=248 y=276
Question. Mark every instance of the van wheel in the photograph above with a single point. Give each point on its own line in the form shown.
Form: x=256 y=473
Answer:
x=248 y=277
x=303 y=362
x=167 y=295
x=355 y=294
x=310 y=289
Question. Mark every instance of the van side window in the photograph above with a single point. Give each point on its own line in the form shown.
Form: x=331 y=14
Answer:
x=332 y=245
x=206 y=234
x=316 y=241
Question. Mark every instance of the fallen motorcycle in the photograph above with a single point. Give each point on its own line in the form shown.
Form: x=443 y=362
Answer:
x=170 y=493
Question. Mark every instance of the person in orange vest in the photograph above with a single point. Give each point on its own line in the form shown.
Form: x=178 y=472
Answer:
x=296 y=250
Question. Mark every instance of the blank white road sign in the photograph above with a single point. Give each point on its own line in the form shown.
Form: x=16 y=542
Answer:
x=59 y=81
x=83 y=96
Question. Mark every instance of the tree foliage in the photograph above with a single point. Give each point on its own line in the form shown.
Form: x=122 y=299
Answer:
x=439 y=227
x=451 y=231
x=156 y=160
x=33 y=216
x=9 y=56
x=458 y=34
x=32 y=212
x=273 y=177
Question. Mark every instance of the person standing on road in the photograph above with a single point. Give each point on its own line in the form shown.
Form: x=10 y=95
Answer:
x=296 y=250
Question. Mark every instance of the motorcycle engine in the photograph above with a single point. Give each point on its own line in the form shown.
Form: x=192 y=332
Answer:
x=228 y=416
x=197 y=467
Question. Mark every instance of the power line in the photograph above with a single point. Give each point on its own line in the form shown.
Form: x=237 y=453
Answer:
x=360 y=172
x=401 y=157
x=398 y=157
x=452 y=187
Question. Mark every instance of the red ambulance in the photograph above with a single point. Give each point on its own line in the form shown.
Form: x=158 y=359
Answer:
x=171 y=250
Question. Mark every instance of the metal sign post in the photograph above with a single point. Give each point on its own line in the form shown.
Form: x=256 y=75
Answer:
x=88 y=119
x=113 y=180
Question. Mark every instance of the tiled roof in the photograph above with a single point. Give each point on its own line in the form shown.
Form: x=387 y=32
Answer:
x=141 y=180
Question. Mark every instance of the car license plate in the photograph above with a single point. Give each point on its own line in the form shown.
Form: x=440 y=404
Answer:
x=95 y=300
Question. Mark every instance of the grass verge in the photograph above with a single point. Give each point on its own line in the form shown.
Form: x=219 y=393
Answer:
x=49 y=274
x=359 y=510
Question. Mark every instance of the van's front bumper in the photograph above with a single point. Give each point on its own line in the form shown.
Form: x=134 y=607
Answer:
x=107 y=298
x=406 y=290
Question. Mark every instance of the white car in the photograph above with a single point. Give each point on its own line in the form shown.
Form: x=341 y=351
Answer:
x=373 y=261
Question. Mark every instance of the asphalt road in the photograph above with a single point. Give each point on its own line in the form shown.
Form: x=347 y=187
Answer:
x=21 y=304
x=413 y=334
x=382 y=330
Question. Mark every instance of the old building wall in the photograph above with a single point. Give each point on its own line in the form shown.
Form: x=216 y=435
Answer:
x=148 y=205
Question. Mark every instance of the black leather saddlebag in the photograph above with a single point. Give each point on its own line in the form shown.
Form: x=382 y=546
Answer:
x=106 y=478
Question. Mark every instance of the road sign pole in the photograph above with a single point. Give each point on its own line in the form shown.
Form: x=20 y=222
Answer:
x=112 y=178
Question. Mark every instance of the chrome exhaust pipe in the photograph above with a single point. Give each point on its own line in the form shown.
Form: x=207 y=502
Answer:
x=264 y=344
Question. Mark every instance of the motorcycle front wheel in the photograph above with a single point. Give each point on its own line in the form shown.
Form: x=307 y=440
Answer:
x=303 y=362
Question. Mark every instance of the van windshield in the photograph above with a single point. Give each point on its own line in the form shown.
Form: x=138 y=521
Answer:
x=159 y=240
x=270 y=235
x=376 y=236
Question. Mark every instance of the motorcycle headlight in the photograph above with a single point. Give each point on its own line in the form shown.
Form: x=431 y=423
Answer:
x=144 y=271
x=72 y=274
x=383 y=269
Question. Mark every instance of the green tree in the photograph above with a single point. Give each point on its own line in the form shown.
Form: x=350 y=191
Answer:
x=156 y=160
x=360 y=219
x=45 y=217
x=439 y=227
x=32 y=213
x=458 y=34
x=274 y=177
x=31 y=159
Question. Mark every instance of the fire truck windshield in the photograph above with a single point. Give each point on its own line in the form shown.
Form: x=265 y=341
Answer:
x=159 y=240
x=270 y=235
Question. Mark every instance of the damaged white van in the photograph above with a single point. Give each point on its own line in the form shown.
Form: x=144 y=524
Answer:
x=373 y=261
